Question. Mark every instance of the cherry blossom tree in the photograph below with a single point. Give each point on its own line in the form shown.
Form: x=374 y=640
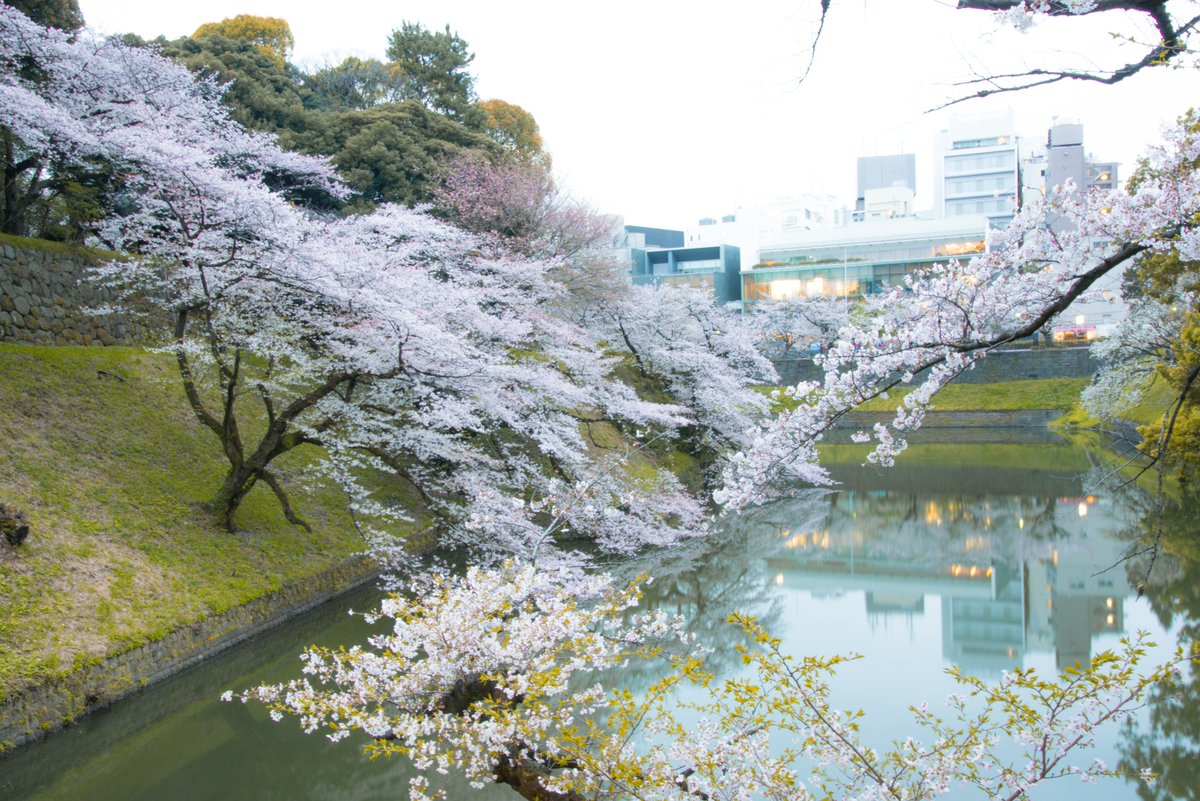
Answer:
x=945 y=320
x=518 y=200
x=698 y=353
x=676 y=341
x=387 y=343
x=787 y=328
x=494 y=675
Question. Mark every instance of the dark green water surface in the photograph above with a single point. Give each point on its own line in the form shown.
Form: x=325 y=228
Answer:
x=984 y=556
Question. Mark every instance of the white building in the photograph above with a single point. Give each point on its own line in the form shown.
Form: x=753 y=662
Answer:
x=749 y=226
x=977 y=168
x=1064 y=158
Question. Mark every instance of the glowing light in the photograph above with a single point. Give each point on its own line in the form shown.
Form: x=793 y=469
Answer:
x=1111 y=619
x=1021 y=523
x=1109 y=602
x=790 y=288
x=798 y=541
x=1080 y=319
x=1082 y=509
x=778 y=578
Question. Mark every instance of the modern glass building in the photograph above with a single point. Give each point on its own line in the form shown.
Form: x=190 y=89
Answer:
x=860 y=259
x=716 y=267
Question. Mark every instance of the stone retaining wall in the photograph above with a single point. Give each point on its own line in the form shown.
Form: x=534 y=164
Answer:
x=33 y=713
x=1018 y=364
x=45 y=298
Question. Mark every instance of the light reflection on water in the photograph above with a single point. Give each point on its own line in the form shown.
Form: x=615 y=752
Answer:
x=960 y=555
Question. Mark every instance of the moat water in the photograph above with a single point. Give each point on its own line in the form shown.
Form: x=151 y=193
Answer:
x=984 y=555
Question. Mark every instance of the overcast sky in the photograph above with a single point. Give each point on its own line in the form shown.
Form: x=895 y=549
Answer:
x=666 y=111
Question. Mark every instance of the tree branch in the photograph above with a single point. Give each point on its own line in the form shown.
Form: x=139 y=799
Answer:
x=1171 y=44
x=288 y=513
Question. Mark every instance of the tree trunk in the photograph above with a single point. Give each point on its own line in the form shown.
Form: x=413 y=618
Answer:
x=11 y=218
x=234 y=489
x=525 y=777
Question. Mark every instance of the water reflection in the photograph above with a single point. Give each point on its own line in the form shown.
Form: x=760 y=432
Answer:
x=1011 y=575
x=984 y=566
x=985 y=557
x=1170 y=739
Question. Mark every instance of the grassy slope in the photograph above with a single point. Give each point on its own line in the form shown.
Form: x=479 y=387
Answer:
x=1047 y=393
x=1063 y=457
x=104 y=456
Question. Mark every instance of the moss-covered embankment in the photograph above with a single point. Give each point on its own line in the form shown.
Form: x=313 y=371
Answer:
x=126 y=574
x=1011 y=404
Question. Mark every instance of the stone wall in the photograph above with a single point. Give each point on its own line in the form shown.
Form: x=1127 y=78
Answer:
x=46 y=295
x=31 y=714
x=1017 y=364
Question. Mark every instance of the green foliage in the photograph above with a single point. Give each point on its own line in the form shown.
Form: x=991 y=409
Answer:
x=434 y=69
x=355 y=84
x=1177 y=434
x=1063 y=459
x=513 y=128
x=63 y=14
x=271 y=35
x=1077 y=417
x=1006 y=396
x=1173 y=281
x=51 y=246
x=385 y=153
x=1162 y=275
x=261 y=94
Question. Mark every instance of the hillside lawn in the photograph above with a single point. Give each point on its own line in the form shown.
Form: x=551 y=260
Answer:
x=1010 y=396
x=104 y=456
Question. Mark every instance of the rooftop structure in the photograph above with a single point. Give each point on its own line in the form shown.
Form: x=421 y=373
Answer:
x=748 y=226
x=884 y=172
x=640 y=236
x=1063 y=159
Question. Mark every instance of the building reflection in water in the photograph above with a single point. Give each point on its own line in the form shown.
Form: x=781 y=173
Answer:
x=1014 y=575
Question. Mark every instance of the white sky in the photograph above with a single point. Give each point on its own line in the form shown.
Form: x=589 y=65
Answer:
x=666 y=111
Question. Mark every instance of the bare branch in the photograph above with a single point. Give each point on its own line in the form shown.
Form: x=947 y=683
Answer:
x=1172 y=43
x=812 y=53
